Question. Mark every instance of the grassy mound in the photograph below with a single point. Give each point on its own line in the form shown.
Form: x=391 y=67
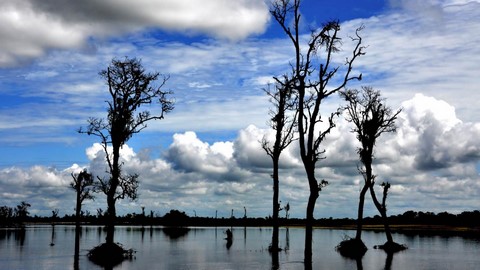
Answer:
x=109 y=254
x=391 y=247
x=352 y=248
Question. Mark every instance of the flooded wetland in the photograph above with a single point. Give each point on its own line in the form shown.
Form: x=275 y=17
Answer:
x=41 y=247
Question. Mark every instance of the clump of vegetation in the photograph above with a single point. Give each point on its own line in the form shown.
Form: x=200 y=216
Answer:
x=391 y=247
x=110 y=254
x=352 y=248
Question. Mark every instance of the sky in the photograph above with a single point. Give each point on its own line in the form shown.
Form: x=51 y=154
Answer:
x=205 y=156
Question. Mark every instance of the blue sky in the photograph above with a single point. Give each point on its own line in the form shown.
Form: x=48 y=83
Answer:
x=205 y=156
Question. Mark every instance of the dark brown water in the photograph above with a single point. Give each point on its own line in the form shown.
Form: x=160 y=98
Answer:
x=206 y=248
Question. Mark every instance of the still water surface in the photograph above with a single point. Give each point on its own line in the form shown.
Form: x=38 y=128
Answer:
x=205 y=248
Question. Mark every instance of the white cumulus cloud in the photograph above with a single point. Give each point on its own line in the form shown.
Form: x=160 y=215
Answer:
x=29 y=28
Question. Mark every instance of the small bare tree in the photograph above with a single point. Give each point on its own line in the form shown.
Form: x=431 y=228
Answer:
x=283 y=124
x=371 y=118
x=313 y=74
x=130 y=88
x=83 y=184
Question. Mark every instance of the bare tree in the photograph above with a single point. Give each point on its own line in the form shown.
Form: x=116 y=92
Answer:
x=54 y=216
x=287 y=210
x=283 y=124
x=314 y=72
x=371 y=118
x=83 y=184
x=130 y=88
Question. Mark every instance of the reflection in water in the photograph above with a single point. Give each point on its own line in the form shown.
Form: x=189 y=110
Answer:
x=20 y=236
x=245 y=235
x=388 y=261
x=76 y=255
x=229 y=238
x=174 y=233
x=207 y=249
x=287 y=239
x=275 y=260
x=52 y=242
x=359 y=263
x=275 y=253
x=274 y=248
x=3 y=234
x=229 y=243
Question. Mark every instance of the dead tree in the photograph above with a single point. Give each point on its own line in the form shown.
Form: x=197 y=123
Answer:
x=371 y=118
x=130 y=88
x=83 y=185
x=282 y=121
x=315 y=77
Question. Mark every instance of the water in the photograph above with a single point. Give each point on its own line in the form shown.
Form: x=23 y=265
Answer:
x=206 y=248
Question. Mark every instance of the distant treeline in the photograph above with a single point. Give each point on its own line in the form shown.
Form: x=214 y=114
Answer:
x=464 y=219
x=12 y=217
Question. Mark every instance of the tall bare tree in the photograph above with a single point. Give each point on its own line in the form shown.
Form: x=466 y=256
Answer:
x=282 y=121
x=316 y=76
x=366 y=109
x=130 y=88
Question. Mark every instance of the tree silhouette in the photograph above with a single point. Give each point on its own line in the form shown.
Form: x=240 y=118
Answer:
x=313 y=73
x=287 y=209
x=21 y=212
x=283 y=124
x=83 y=184
x=6 y=215
x=371 y=118
x=130 y=88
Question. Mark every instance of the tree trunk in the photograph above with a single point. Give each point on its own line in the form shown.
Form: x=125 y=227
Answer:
x=383 y=213
x=78 y=207
x=275 y=205
x=366 y=157
x=274 y=250
x=114 y=181
x=110 y=220
x=77 y=228
x=312 y=199
x=361 y=203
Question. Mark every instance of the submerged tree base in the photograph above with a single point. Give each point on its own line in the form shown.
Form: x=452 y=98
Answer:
x=109 y=254
x=391 y=247
x=272 y=249
x=352 y=248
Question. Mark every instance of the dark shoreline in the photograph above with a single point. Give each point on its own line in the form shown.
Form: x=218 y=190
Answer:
x=411 y=222
x=407 y=229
